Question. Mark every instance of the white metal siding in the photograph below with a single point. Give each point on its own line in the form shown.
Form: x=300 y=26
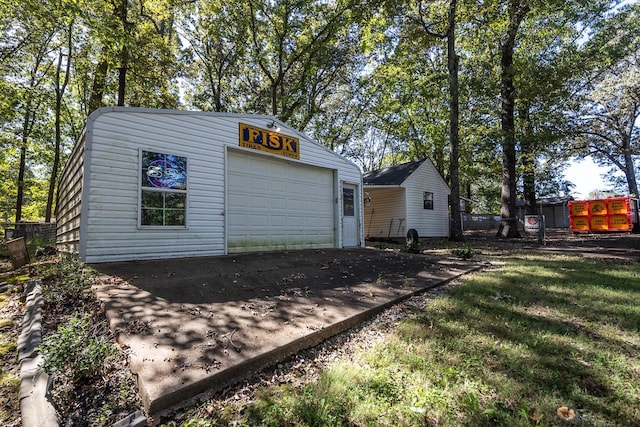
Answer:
x=385 y=217
x=427 y=222
x=68 y=204
x=114 y=137
x=277 y=204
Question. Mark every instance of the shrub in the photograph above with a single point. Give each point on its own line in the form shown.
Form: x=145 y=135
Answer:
x=77 y=351
x=414 y=247
x=66 y=280
x=464 y=252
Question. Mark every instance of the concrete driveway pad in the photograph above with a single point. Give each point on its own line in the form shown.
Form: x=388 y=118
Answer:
x=192 y=325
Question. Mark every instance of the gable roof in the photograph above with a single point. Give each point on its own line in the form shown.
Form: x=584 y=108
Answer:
x=393 y=175
x=548 y=201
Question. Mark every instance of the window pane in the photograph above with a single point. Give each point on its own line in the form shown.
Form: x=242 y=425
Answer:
x=151 y=217
x=427 y=200
x=149 y=171
x=175 y=200
x=174 y=217
x=164 y=171
x=348 y=208
x=152 y=199
x=163 y=208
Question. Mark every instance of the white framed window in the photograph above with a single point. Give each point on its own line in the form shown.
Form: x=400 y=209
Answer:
x=163 y=190
x=427 y=200
x=348 y=199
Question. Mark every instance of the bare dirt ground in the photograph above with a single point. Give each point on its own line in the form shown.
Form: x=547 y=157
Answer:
x=623 y=247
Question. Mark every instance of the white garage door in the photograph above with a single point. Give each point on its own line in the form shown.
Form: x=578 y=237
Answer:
x=277 y=204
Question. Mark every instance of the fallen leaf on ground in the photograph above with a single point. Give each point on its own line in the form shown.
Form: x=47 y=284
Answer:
x=565 y=413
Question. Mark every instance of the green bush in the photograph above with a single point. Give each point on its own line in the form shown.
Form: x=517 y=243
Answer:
x=464 y=252
x=76 y=351
x=66 y=280
x=414 y=247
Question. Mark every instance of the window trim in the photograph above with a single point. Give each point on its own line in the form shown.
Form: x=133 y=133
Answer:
x=142 y=188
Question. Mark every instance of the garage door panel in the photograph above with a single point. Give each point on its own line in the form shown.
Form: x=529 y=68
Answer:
x=277 y=184
x=277 y=204
x=237 y=202
x=237 y=220
x=296 y=221
x=261 y=202
x=260 y=185
x=281 y=221
x=258 y=222
x=258 y=167
x=296 y=188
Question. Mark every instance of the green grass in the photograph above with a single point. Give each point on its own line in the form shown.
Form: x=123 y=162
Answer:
x=507 y=347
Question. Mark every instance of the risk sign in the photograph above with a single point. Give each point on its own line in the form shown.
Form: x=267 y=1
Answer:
x=531 y=223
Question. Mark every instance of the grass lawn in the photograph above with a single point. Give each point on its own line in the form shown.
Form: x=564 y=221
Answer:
x=540 y=340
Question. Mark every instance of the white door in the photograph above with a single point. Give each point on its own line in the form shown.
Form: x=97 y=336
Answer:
x=349 y=216
x=277 y=204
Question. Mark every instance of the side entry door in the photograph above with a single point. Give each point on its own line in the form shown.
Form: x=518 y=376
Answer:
x=349 y=216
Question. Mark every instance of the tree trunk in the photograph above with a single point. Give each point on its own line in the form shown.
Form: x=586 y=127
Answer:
x=26 y=131
x=509 y=222
x=454 y=170
x=122 y=82
x=629 y=172
x=60 y=89
x=21 y=173
x=528 y=163
x=124 y=53
x=56 y=155
x=99 y=85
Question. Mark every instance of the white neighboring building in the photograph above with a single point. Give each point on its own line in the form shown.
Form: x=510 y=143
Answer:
x=408 y=196
x=153 y=184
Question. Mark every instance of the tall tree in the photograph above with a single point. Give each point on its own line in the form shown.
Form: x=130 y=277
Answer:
x=301 y=48
x=36 y=66
x=454 y=116
x=61 y=81
x=517 y=10
x=129 y=54
x=609 y=129
x=216 y=53
x=122 y=12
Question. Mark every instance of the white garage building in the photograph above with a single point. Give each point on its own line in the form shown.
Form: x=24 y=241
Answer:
x=153 y=184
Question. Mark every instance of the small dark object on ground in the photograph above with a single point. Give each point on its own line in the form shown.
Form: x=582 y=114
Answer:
x=45 y=251
x=412 y=236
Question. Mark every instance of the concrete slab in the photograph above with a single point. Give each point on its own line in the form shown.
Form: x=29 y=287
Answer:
x=192 y=325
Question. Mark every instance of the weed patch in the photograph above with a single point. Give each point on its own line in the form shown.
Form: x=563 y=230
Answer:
x=463 y=252
x=414 y=247
x=77 y=351
x=67 y=280
x=92 y=384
